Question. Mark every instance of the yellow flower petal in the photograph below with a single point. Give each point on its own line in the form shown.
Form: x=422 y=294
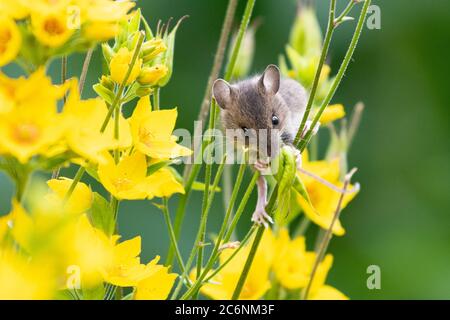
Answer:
x=332 y=113
x=81 y=198
x=10 y=40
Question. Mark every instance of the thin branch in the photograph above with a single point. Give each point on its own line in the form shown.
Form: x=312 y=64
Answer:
x=328 y=234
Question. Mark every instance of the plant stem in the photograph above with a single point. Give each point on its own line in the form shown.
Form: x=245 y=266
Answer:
x=348 y=56
x=113 y=106
x=201 y=275
x=218 y=58
x=84 y=71
x=173 y=239
x=344 y=13
x=323 y=56
x=229 y=69
x=303 y=144
x=235 y=252
x=156 y=98
x=251 y=256
x=325 y=241
x=203 y=219
x=242 y=29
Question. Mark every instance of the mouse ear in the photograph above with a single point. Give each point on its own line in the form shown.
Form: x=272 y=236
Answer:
x=222 y=92
x=270 y=80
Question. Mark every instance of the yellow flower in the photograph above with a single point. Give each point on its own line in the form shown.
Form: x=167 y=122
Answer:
x=80 y=200
x=86 y=139
x=332 y=113
x=29 y=130
x=120 y=64
x=102 y=17
x=128 y=179
x=100 y=31
x=222 y=286
x=319 y=290
x=14 y=9
x=125 y=268
x=151 y=75
x=323 y=199
x=157 y=285
x=152 y=131
x=51 y=28
x=10 y=40
x=36 y=91
x=292 y=264
x=24 y=279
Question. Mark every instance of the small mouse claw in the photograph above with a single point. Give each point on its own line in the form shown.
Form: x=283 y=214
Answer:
x=260 y=216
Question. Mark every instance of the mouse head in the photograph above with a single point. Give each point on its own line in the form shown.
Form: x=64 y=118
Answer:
x=251 y=105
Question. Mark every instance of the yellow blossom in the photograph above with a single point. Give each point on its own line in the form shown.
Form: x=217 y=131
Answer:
x=51 y=28
x=79 y=202
x=323 y=199
x=100 y=31
x=292 y=264
x=87 y=140
x=157 y=285
x=102 y=17
x=222 y=286
x=332 y=113
x=36 y=90
x=29 y=130
x=319 y=290
x=152 y=131
x=120 y=64
x=10 y=40
x=125 y=268
x=128 y=179
x=151 y=75
x=14 y=9
x=24 y=279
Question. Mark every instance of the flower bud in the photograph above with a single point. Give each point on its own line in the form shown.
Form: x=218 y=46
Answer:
x=152 y=48
x=151 y=75
x=120 y=64
x=306 y=35
x=107 y=82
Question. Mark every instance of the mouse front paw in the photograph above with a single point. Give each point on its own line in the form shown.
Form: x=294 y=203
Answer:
x=260 y=217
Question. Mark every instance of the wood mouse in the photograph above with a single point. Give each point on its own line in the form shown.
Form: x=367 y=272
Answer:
x=268 y=102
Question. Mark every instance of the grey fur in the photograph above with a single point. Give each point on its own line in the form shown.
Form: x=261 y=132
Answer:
x=251 y=103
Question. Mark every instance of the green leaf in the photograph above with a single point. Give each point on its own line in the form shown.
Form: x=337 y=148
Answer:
x=156 y=166
x=104 y=92
x=102 y=215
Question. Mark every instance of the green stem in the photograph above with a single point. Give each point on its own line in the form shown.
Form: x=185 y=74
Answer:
x=229 y=70
x=235 y=252
x=113 y=106
x=203 y=220
x=201 y=275
x=173 y=239
x=325 y=241
x=344 y=13
x=348 y=56
x=84 y=71
x=251 y=256
x=218 y=57
x=242 y=29
x=156 y=98
x=323 y=56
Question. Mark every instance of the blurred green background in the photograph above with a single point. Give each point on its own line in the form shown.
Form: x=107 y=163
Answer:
x=400 y=221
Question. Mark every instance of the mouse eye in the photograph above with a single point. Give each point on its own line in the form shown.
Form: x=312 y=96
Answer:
x=245 y=129
x=275 y=120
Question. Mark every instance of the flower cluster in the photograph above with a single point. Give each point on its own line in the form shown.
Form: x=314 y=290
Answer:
x=70 y=238
x=281 y=264
x=33 y=32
